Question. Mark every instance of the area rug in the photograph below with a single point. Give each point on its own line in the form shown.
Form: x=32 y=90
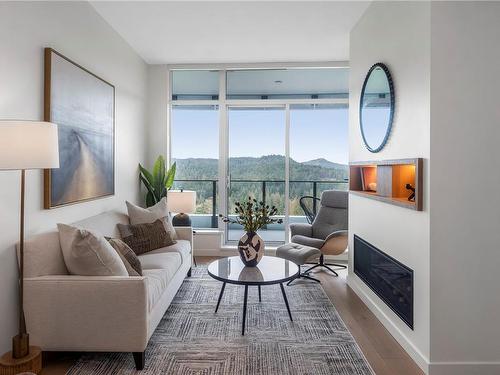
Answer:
x=191 y=339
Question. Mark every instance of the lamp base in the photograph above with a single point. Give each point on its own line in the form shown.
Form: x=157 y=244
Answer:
x=181 y=220
x=20 y=345
x=32 y=362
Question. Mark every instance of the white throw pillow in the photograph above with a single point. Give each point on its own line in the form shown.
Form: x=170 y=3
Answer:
x=139 y=215
x=87 y=253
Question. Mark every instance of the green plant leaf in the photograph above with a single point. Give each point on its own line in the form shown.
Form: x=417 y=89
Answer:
x=159 y=178
x=150 y=199
x=146 y=173
x=169 y=181
x=146 y=183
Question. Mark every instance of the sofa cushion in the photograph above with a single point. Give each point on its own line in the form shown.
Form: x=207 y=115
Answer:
x=167 y=261
x=87 y=253
x=139 y=215
x=156 y=285
x=159 y=269
x=143 y=238
x=183 y=247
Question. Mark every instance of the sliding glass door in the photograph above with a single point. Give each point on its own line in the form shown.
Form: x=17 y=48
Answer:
x=275 y=134
x=256 y=163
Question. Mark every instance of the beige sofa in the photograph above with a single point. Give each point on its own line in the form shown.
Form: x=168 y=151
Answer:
x=96 y=313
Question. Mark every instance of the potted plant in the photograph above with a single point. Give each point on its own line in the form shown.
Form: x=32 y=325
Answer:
x=158 y=182
x=252 y=215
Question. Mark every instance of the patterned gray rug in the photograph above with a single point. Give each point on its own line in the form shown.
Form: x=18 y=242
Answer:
x=191 y=339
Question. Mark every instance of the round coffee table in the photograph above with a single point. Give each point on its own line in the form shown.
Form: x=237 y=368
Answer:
x=269 y=271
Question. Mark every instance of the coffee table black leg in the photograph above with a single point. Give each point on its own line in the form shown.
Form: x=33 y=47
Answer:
x=244 y=310
x=220 y=296
x=260 y=296
x=286 y=301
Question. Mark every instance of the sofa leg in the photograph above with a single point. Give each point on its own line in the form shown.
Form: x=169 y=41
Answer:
x=139 y=359
x=189 y=272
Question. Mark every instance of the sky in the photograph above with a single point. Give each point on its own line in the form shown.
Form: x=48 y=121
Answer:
x=314 y=133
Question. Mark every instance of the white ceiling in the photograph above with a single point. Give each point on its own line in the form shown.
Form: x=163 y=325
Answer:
x=230 y=32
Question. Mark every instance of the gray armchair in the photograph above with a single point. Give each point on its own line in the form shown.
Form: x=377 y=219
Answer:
x=328 y=232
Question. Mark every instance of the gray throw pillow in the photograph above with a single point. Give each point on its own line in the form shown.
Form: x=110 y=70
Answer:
x=87 y=253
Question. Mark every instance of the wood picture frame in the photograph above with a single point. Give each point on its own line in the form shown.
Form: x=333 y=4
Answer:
x=83 y=106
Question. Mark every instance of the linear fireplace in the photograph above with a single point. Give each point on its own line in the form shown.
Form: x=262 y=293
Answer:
x=391 y=280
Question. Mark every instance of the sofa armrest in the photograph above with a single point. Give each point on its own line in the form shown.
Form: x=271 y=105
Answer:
x=301 y=229
x=87 y=313
x=185 y=233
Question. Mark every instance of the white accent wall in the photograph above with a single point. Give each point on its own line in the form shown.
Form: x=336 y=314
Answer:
x=444 y=59
x=465 y=181
x=77 y=31
x=398 y=35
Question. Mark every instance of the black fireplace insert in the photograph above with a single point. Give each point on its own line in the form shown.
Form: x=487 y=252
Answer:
x=391 y=280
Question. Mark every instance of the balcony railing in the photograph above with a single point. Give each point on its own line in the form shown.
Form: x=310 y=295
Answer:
x=207 y=194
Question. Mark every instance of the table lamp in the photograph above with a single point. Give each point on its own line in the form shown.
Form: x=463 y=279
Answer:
x=25 y=145
x=183 y=202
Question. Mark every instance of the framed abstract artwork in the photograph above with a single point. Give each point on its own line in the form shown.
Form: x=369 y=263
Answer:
x=83 y=107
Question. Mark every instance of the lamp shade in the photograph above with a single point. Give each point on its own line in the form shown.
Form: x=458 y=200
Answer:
x=181 y=201
x=28 y=145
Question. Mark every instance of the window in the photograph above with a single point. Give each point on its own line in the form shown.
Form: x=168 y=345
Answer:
x=318 y=152
x=195 y=150
x=281 y=134
x=195 y=85
x=287 y=84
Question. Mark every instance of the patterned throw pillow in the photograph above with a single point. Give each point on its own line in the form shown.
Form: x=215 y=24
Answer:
x=129 y=258
x=143 y=238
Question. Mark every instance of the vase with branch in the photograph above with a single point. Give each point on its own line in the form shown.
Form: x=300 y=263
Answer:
x=252 y=215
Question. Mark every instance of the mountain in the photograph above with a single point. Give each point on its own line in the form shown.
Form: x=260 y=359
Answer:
x=268 y=167
x=321 y=162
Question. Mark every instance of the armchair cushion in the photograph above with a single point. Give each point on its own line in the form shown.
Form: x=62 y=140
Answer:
x=302 y=229
x=308 y=241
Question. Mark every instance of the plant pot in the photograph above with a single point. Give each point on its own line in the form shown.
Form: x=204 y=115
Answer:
x=251 y=249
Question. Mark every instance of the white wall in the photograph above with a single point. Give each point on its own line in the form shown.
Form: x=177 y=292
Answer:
x=397 y=34
x=158 y=112
x=77 y=31
x=465 y=214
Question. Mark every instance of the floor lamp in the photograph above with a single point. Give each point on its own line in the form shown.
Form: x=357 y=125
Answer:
x=25 y=145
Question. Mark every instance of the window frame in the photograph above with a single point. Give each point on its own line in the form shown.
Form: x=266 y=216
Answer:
x=223 y=105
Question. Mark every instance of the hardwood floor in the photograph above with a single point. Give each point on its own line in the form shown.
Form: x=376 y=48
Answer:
x=382 y=351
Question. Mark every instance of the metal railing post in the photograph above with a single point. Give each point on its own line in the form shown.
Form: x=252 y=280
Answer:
x=214 y=204
x=264 y=197
x=264 y=192
x=315 y=192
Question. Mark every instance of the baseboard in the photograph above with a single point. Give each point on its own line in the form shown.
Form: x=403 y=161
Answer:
x=464 y=368
x=400 y=337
